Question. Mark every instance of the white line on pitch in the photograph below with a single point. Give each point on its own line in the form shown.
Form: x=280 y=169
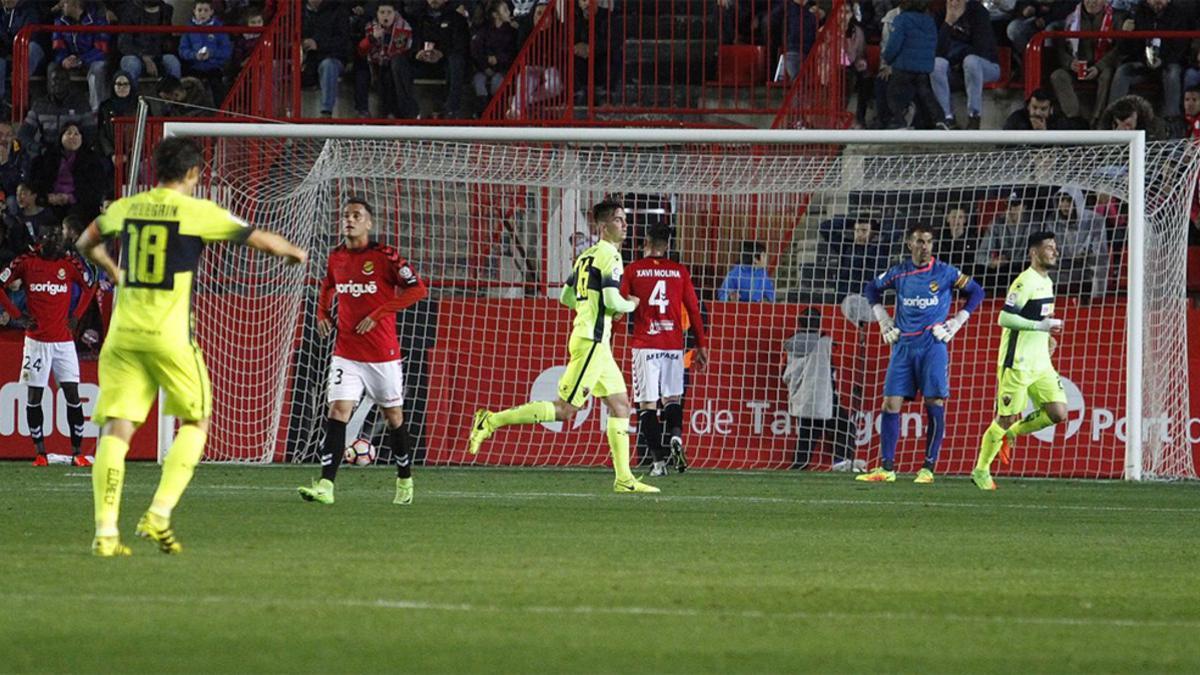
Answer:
x=585 y=610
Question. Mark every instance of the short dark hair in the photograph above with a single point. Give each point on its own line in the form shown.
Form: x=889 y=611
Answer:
x=174 y=157
x=1195 y=89
x=1123 y=109
x=659 y=233
x=1037 y=238
x=202 y=2
x=74 y=222
x=1041 y=95
x=750 y=250
x=361 y=201
x=604 y=210
x=918 y=226
x=168 y=83
x=388 y=3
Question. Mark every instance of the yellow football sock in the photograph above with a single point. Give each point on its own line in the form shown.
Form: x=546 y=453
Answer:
x=989 y=447
x=618 y=444
x=178 y=467
x=529 y=413
x=108 y=476
x=1034 y=421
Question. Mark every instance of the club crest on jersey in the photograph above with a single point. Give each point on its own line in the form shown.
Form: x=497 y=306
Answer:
x=933 y=287
x=62 y=274
x=1006 y=399
x=368 y=268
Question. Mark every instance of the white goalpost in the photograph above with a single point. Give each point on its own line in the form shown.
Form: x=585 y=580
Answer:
x=491 y=218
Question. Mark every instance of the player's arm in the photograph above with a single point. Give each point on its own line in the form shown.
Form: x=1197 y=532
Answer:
x=409 y=290
x=873 y=291
x=1010 y=314
x=567 y=296
x=691 y=304
x=87 y=292
x=90 y=245
x=275 y=245
x=325 y=305
x=11 y=272
x=974 y=293
x=610 y=287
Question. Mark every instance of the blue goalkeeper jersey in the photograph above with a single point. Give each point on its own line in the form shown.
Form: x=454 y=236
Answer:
x=922 y=293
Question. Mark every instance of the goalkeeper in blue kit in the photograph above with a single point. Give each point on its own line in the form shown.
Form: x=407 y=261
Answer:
x=918 y=336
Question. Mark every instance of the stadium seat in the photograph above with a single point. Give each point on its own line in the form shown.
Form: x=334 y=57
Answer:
x=1005 y=56
x=741 y=65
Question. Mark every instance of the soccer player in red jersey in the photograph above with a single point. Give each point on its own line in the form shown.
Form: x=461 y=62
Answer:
x=47 y=273
x=371 y=282
x=666 y=290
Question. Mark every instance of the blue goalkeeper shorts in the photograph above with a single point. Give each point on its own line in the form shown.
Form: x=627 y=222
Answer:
x=919 y=363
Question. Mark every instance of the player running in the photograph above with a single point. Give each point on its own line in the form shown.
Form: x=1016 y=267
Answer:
x=593 y=291
x=1023 y=368
x=664 y=289
x=150 y=344
x=47 y=272
x=919 y=361
x=371 y=283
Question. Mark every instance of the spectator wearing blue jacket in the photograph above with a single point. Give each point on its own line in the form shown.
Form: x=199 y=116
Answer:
x=84 y=52
x=907 y=61
x=12 y=19
x=749 y=281
x=205 y=55
x=965 y=40
x=801 y=33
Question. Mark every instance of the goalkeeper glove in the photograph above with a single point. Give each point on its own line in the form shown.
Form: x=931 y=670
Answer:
x=1048 y=325
x=945 y=331
x=886 y=326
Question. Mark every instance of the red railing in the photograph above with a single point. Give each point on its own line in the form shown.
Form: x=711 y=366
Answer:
x=268 y=86
x=1033 y=53
x=654 y=58
x=817 y=98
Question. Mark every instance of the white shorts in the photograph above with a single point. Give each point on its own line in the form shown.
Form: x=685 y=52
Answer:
x=383 y=381
x=657 y=374
x=40 y=358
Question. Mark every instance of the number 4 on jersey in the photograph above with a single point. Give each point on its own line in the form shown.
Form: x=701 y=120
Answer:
x=658 y=297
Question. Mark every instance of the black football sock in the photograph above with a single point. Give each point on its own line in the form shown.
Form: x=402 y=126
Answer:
x=401 y=445
x=650 y=432
x=33 y=416
x=673 y=416
x=334 y=448
x=75 y=419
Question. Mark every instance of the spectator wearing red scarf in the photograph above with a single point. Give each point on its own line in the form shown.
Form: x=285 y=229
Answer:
x=1085 y=59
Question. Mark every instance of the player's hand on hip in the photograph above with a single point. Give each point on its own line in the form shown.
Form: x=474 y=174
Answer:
x=324 y=327
x=946 y=330
x=365 y=325
x=887 y=328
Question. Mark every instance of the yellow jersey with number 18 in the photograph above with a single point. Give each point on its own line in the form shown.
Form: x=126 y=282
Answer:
x=163 y=233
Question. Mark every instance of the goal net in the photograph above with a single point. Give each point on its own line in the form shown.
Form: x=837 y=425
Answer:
x=780 y=238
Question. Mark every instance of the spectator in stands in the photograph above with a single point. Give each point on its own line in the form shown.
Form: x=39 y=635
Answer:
x=47 y=114
x=244 y=44
x=235 y=12
x=82 y=52
x=907 y=62
x=146 y=52
x=854 y=57
x=1085 y=59
x=749 y=281
x=14 y=163
x=1082 y=248
x=1001 y=255
x=15 y=15
x=385 y=46
x=966 y=42
x=325 y=39
x=1155 y=57
x=442 y=41
x=71 y=176
x=23 y=219
x=493 y=48
x=800 y=26
x=7 y=252
x=739 y=20
x=187 y=97
x=857 y=257
x=958 y=240
x=1134 y=112
x=122 y=103
x=1122 y=11
x=583 y=51
x=1034 y=16
x=205 y=55
x=1191 y=113
x=1038 y=114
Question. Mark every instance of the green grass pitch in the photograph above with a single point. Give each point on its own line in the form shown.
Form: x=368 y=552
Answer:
x=498 y=571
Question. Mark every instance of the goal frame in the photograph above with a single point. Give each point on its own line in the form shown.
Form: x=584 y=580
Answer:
x=1134 y=141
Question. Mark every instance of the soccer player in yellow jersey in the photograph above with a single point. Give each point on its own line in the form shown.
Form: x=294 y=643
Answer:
x=150 y=344
x=1024 y=366
x=593 y=291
